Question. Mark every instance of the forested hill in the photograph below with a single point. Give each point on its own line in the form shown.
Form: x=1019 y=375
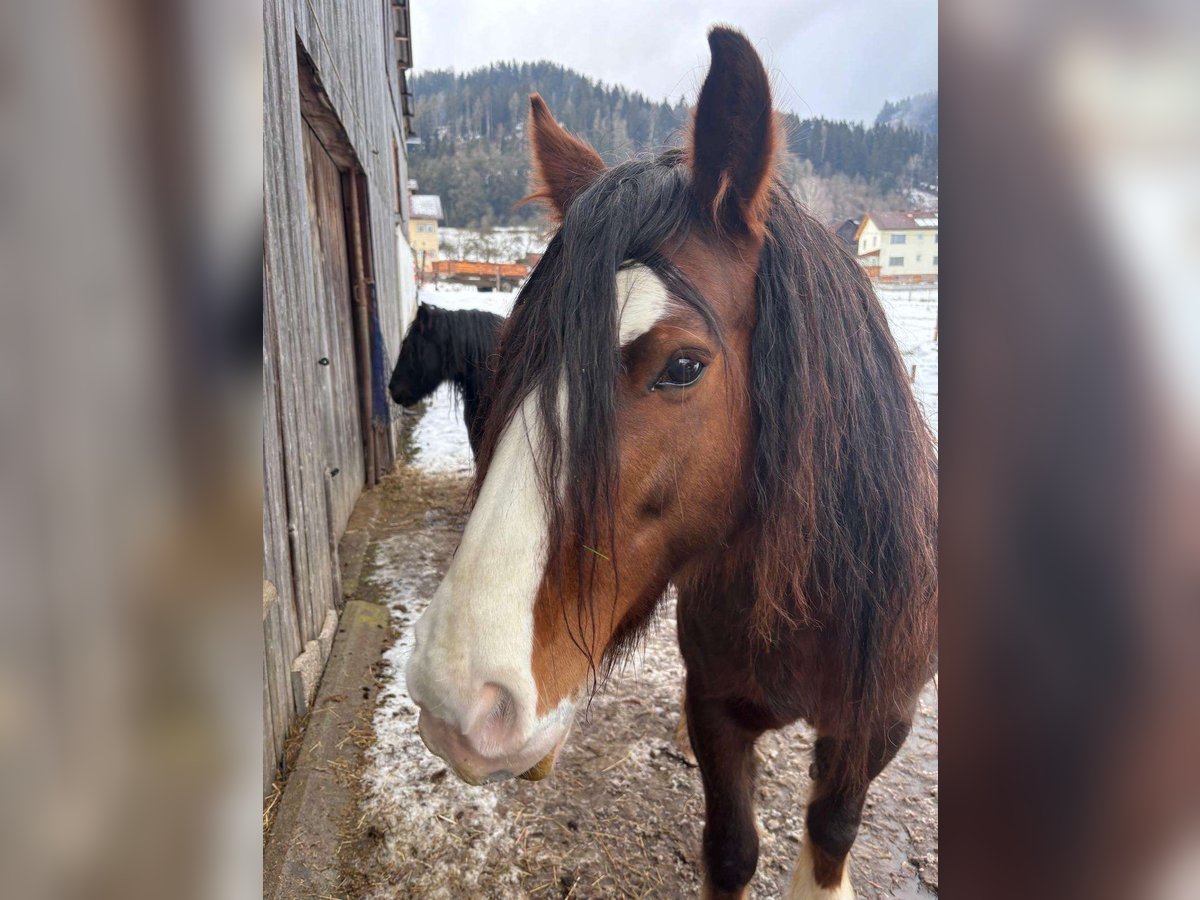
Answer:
x=919 y=113
x=474 y=154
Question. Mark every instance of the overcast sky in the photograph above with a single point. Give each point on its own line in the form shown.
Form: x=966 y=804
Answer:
x=835 y=58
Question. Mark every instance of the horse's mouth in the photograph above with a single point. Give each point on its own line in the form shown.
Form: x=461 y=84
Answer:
x=543 y=768
x=536 y=773
x=546 y=765
x=476 y=770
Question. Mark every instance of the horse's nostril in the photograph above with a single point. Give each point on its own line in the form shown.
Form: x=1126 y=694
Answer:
x=492 y=720
x=504 y=713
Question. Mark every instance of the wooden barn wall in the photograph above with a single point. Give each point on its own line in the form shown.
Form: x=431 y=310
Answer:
x=349 y=44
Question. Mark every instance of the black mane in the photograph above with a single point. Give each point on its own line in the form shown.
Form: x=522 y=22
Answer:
x=447 y=345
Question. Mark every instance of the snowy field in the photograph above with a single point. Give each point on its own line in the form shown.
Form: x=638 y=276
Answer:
x=913 y=314
x=508 y=244
x=440 y=438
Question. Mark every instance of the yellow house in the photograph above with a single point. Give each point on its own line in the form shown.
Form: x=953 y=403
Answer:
x=426 y=212
x=899 y=246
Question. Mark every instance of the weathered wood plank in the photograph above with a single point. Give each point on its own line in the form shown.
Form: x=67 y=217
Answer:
x=289 y=256
x=279 y=709
x=281 y=633
x=277 y=556
x=271 y=749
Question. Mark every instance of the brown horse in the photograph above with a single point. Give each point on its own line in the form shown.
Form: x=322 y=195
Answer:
x=696 y=386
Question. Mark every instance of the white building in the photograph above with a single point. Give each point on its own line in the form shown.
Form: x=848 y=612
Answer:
x=899 y=246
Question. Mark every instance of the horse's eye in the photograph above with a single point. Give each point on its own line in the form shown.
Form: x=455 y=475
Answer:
x=680 y=372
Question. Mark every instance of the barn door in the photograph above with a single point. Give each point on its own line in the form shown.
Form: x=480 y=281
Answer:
x=338 y=369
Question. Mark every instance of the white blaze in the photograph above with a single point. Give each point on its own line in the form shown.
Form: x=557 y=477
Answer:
x=478 y=628
x=642 y=300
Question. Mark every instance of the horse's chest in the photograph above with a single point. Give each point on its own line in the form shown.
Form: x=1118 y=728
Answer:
x=782 y=679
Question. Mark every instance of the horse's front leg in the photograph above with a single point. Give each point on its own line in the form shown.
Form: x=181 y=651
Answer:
x=834 y=813
x=725 y=750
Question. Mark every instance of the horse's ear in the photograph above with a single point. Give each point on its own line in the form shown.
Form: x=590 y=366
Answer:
x=563 y=165
x=734 y=136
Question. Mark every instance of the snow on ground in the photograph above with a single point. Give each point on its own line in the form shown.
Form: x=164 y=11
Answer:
x=461 y=296
x=508 y=244
x=924 y=199
x=439 y=828
x=913 y=315
x=439 y=439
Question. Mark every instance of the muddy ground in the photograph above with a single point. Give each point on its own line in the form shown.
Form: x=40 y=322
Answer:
x=622 y=814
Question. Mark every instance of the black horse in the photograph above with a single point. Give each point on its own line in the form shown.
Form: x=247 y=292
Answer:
x=447 y=345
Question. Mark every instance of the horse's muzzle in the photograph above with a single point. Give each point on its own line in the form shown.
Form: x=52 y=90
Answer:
x=402 y=397
x=477 y=762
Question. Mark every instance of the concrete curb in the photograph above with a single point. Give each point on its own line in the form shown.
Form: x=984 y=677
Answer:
x=301 y=856
x=352 y=548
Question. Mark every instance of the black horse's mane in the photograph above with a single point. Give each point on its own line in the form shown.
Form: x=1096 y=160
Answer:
x=466 y=337
x=843 y=495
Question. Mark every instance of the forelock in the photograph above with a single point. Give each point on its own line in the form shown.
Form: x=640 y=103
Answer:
x=562 y=344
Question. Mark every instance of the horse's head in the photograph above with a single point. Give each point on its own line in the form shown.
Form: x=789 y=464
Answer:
x=420 y=366
x=616 y=448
